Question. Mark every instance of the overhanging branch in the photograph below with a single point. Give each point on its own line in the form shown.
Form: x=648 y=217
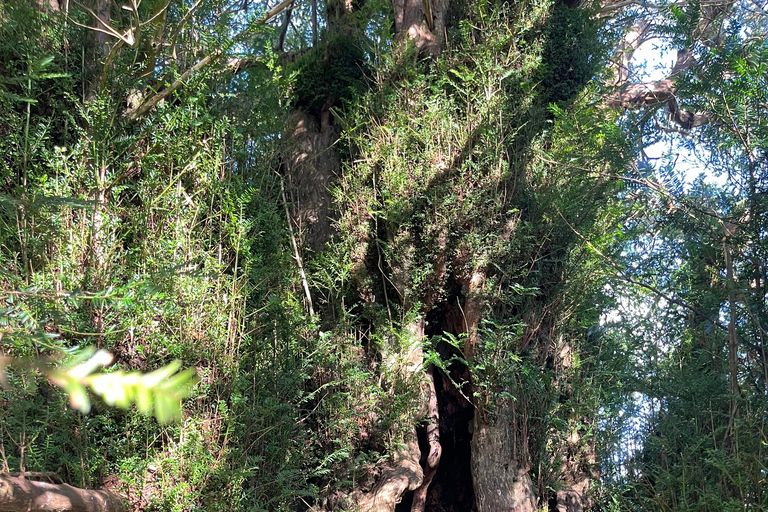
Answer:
x=659 y=92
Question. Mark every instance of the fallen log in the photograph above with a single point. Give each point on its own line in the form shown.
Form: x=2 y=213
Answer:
x=21 y=495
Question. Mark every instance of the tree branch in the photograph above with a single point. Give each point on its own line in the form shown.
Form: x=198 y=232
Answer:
x=180 y=25
x=296 y=253
x=631 y=41
x=148 y=104
x=278 y=47
x=649 y=94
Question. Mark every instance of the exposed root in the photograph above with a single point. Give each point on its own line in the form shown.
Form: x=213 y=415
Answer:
x=406 y=475
x=433 y=438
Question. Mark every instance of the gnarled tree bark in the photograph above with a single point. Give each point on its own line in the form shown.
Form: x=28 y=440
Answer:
x=500 y=482
x=311 y=167
x=404 y=475
x=660 y=92
x=433 y=440
x=423 y=22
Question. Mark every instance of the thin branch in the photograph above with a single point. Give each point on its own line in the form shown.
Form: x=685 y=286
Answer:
x=276 y=10
x=128 y=38
x=296 y=253
x=150 y=103
x=283 y=30
x=180 y=25
x=156 y=15
x=608 y=8
x=621 y=274
x=669 y=129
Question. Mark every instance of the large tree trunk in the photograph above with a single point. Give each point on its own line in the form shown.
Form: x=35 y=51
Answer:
x=20 y=495
x=423 y=22
x=404 y=475
x=495 y=464
x=311 y=167
x=501 y=482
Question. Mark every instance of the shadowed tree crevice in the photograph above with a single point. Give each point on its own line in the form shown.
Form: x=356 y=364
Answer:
x=451 y=489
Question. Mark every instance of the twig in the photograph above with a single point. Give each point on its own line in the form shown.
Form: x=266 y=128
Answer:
x=150 y=103
x=181 y=24
x=128 y=37
x=623 y=276
x=296 y=254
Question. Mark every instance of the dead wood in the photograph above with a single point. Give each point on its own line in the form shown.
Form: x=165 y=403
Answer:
x=21 y=495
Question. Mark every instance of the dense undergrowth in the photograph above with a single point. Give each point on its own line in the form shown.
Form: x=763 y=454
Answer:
x=156 y=241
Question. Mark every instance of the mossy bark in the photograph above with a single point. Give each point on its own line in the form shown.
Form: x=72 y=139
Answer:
x=501 y=461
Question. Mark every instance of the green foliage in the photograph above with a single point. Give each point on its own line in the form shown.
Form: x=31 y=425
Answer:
x=333 y=71
x=699 y=389
x=571 y=56
x=160 y=240
x=160 y=391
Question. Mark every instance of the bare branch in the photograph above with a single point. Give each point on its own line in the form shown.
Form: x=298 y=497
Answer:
x=276 y=10
x=631 y=41
x=127 y=38
x=659 y=92
x=296 y=253
x=180 y=25
x=283 y=30
x=608 y=8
